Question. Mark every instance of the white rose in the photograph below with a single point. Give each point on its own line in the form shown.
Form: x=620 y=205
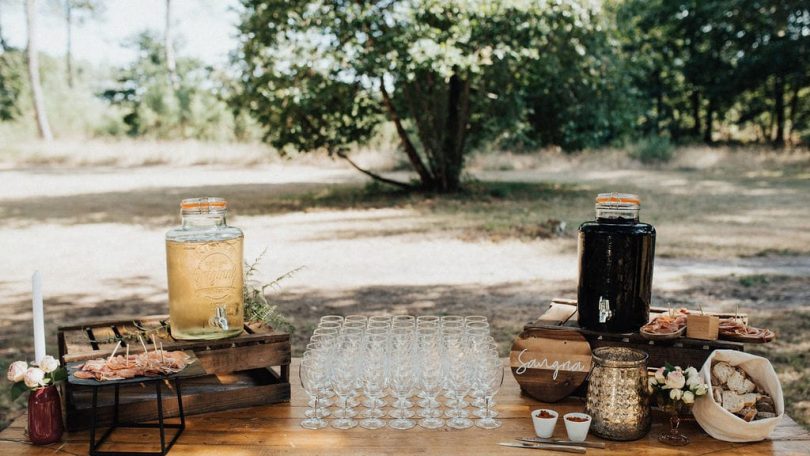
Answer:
x=675 y=380
x=688 y=397
x=48 y=364
x=659 y=376
x=675 y=394
x=700 y=390
x=16 y=371
x=652 y=382
x=691 y=372
x=34 y=377
x=692 y=379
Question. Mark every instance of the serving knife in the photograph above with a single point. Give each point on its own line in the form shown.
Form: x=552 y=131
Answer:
x=544 y=446
x=562 y=442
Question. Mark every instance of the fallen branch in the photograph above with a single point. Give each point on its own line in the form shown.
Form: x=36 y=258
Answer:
x=373 y=175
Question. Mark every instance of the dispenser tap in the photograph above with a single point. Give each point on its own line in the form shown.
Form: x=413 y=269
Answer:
x=220 y=319
x=605 y=313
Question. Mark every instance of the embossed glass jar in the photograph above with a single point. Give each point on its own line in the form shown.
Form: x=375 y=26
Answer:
x=618 y=400
x=204 y=263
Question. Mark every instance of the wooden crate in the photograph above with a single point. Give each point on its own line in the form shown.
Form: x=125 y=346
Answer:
x=684 y=351
x=250 y=369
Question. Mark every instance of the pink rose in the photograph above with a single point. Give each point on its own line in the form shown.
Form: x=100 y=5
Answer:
x=675 y=380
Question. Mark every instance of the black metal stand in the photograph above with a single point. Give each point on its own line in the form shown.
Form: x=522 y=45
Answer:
x=164 y=448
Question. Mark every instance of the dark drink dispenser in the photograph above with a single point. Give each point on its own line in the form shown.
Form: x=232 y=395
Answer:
x=616 y=254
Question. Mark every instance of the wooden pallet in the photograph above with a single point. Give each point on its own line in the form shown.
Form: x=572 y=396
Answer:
x=250 y=369
x=683 y=351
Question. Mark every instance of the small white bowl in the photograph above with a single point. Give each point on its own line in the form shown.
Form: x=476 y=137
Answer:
x=544 y=427
x=577 y=430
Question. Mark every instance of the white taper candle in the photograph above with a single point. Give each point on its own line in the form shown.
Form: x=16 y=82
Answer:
x=39 y=318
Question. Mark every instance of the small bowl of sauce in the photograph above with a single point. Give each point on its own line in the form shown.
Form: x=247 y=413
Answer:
x=544 y=421
x=577 y=426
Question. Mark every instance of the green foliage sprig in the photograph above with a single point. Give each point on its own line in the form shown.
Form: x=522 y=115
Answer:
x=257 y=308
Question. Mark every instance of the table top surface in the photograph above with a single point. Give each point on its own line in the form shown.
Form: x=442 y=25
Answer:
x=275 y=429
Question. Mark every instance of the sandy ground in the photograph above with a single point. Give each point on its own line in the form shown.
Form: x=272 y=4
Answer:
x=96 y=234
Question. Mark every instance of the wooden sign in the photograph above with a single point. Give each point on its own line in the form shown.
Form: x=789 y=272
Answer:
x=550 y=363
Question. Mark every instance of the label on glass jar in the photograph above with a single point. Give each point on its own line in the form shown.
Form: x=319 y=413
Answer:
x=205 y=284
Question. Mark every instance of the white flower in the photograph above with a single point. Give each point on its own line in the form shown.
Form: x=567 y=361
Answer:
x=659 y=376
x=688 y=397
x=652 y=382
x=16 y=371
x=34 y=377
x=675 y=380
x=700 y=389
x=675 y=394
x=691 y=372
x=48 y=364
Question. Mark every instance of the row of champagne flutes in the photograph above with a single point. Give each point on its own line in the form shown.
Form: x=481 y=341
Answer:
x=412 y=361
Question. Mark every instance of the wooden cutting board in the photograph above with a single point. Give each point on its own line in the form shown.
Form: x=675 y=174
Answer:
x=550 y=363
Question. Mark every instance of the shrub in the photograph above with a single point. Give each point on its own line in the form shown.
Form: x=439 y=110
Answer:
x=652 y=149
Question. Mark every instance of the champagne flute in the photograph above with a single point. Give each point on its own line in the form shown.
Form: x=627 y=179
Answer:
x=312 y=376
x=491 y=381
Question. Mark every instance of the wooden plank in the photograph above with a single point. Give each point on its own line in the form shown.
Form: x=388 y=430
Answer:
x=557 y=314
x=275 y=429
x=242 y=358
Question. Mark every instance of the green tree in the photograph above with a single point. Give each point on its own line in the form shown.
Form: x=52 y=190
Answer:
x=12 y=83
x=76 y=12
x=153 y=108
x=324 y=75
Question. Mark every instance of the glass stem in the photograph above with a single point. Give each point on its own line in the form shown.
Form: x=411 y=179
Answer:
x=315 y=415
x=345 y=407
x=488 y=412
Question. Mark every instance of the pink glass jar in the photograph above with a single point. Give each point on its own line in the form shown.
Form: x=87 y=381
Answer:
x=45 y=416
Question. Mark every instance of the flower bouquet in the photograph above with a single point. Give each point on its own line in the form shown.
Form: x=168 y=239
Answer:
x=675 y=390
x=44 y=405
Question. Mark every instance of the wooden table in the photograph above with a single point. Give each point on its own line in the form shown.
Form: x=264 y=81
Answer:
x=274 y=429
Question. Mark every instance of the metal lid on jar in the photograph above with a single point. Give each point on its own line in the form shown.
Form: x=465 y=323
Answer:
x=618 y=199
x=204 y=205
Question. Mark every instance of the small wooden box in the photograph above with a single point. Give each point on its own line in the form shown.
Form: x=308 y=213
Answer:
x=250 y=369
x=704 y=327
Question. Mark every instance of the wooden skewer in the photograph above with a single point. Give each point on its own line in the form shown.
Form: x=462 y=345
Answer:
x=143 y=345
x=161 y=352
x=154 y=344
x=112 y=355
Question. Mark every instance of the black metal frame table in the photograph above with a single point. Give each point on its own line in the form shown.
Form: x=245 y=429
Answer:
x=192 y=370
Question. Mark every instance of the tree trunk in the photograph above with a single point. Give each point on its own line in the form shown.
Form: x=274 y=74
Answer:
x=69 y=50
x=171 y=65
x=3 y=45
x=779 y=107
x=707 y=134
x=696 y=113
x=33 y=71
x=794 y=107
x=449 y=176
x=418 y=165
x=659 y=101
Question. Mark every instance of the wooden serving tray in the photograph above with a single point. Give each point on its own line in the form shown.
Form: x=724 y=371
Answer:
x=250 y=369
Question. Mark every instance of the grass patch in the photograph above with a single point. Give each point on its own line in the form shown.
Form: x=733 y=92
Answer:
x=482 y=210
x=755 y=280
